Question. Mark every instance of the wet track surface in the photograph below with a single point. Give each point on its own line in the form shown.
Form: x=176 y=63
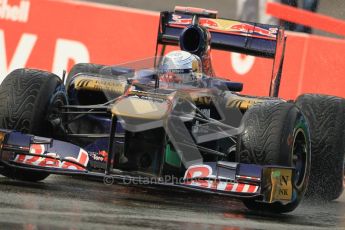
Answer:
x=72 y=203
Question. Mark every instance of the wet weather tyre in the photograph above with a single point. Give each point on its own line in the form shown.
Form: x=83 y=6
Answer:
x=27 y=99
x=326 y=118
x=276 y=133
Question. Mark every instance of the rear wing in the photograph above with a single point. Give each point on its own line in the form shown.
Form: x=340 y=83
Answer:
x=249 y=38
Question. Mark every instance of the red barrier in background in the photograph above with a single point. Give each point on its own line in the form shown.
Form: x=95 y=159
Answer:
x=322 y=67
x=54 y=34
x=299 y=16
x=58 y=31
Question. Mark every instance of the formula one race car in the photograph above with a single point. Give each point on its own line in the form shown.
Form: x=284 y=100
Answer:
x=168 y=120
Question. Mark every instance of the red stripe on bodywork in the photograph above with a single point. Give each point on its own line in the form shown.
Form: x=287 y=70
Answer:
x=229 y=186
x=252 y=188
x=239 y=187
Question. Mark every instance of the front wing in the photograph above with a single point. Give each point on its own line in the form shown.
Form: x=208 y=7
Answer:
x=245 y=181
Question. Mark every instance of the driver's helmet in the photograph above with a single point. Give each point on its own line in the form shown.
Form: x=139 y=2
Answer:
x=180 y=67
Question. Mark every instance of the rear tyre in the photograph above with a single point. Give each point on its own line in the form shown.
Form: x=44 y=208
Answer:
x=276 y=133
x=326 y=118
x=28 y=101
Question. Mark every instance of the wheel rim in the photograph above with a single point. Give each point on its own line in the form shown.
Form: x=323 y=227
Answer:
x=299 y=157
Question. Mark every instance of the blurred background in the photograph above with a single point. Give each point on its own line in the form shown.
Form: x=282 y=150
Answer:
x=252 y=10
x=111 y=32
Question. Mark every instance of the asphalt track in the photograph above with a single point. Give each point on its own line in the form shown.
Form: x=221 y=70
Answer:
x=62 y=202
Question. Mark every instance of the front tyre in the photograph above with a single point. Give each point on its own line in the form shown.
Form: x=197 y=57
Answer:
x=28 y=100
x=276 y=133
